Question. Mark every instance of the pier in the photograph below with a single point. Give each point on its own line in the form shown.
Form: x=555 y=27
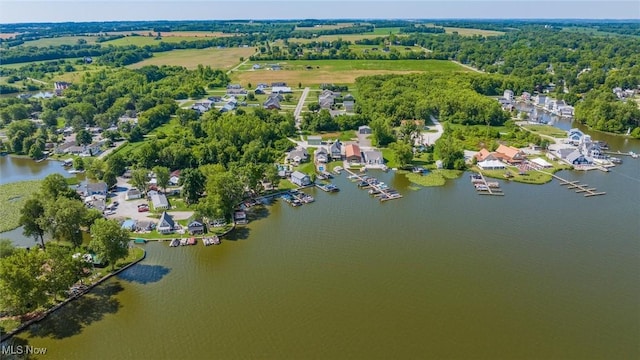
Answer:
x=579 y=188
x=379 y=190
x=485 y=187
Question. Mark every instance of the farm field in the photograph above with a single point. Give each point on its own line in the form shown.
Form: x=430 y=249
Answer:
x=338 y=71
x=191 y=58
x=370 y=48
x=344 y=37
x=324 y=27
x=471 y=32
x=172 y=33
x=62 y=40
x=8 y=35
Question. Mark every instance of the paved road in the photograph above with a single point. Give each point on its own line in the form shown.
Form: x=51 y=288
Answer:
x=300 y=105
x=242 y=63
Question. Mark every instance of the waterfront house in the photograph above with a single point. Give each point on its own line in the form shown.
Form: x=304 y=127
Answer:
x=576 y=158
x=64 y=148
x=129 y=224
x=352 y=153
x=314 y=140
x=373 y=157
x=575 y=136
x=335 y=150
x=364 y=130
x=300 y=179
x=133 y=194
x=91 y=189
x=166 y=224
x=540 y=100
x=195 y=226
x=509 y=154
x=298 y=155
x=240 y=218
x=491 y=165
x=525 y=96
x=485 y=154
x=144 y=225
x=321 y=155
x=159 y=201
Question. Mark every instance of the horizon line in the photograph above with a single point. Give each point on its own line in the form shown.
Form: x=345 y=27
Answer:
x=334 y=19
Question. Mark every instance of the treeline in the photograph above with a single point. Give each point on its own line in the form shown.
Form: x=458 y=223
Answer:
x=422 y=29
x=446 y=97
x=601 y=110
x=307 y=34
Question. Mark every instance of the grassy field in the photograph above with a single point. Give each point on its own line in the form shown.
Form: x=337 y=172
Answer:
x=547 y=130
x=340 y=71
x=12 y=198
x=62 y=40
x=386 y=31
x=471 y=32
x=191 y=58
x=401 y=49
x=345 y=37
x=435 y=177
x=324 y=27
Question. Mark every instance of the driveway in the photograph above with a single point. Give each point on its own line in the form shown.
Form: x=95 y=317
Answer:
x=429 y=137
x=128 y=209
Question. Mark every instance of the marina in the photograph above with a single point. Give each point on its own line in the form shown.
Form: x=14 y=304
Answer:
x=579 y=188
x=378 y=189
x=484 y=187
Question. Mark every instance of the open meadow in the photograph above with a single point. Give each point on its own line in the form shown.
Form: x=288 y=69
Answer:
x=338 y=71
x=143 y=39
x=471 y=32
x=216 y=58
x=62 y=40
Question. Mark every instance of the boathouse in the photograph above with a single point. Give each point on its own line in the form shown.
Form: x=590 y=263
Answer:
x=300 y=179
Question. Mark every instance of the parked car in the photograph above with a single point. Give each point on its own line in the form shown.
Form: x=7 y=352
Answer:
x=109 y=212
x=143 y=208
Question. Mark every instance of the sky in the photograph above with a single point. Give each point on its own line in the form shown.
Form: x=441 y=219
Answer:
x=18 y=11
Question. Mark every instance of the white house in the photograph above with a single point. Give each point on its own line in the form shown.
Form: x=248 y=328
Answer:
x=508 y=94
x=166 y=224
x=300 y=179
x=373 y=157
x=159 y=201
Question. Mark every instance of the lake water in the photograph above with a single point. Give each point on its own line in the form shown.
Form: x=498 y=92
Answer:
x=14 y=169
x=540 y=273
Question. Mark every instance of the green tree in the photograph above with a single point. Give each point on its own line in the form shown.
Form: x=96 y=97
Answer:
x=62 y=270
x=6 y=248
x=83 y=137
x=64 y=218
x=403 y=153
x=54 y=186
x=109 y=240
x=110 y=178
x=78 y=163
x=140 y=178
x=32 y=219
x=22 y=288
x=224 y=192
x=193 y=184
x=116 y=163
x=162 y=176
x=35 y=152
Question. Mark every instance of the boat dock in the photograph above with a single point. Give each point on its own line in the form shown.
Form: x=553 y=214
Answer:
x=376 y=188
x=484 y=187
x=579 y=188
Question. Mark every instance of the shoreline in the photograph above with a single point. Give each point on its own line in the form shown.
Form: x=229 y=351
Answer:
x=23 y=326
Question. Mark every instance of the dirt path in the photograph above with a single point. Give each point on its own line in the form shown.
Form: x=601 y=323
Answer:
x=300 y=105
x=468 y=67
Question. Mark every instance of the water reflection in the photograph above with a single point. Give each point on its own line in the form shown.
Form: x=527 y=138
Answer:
x=80 y=313
x=144 y=274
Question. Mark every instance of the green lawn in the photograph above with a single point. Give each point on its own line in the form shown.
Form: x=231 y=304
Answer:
x=435 y=177
x=547 y=130
x=190 y=58
x=386 y=31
